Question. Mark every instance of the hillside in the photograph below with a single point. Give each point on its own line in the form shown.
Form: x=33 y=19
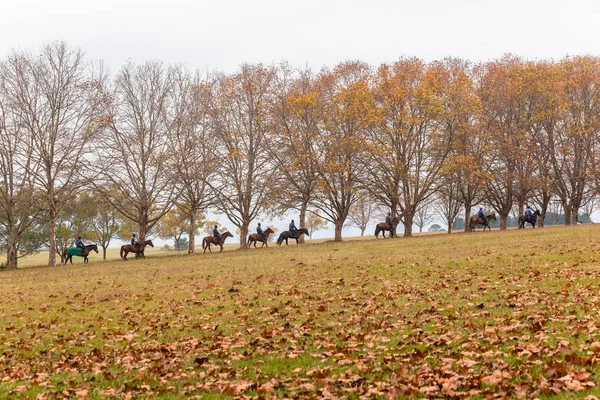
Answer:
x=463 y=315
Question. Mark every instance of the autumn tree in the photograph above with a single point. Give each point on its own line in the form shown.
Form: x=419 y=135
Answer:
x=573 y=144
x=247 y=174
x=348 y=111
x=174 y=225
x=408 y=145
x=314 y=223
x=424 y=215
x=62 y=103
x=293 y=142
x=137 y=175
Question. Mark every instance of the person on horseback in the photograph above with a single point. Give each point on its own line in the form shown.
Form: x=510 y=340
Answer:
x=388 y=219
x=79 y=242
x=481 y=215
x=260 y=231
x=216 y=234
x=528 y=212
x=134 y=241
x=293 y=230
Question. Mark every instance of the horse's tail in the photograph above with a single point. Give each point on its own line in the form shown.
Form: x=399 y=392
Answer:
x=377 y=230
x=122 y=251
x=280 y=239
x=203 y=243
x=248 y=241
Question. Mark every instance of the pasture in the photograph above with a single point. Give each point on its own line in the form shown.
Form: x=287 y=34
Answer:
x=510 y=313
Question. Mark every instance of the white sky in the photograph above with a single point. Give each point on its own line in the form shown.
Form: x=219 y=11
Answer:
x=220 y=35
x=213 y=34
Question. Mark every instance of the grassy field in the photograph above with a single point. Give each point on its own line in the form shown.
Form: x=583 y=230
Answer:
x=512 y=313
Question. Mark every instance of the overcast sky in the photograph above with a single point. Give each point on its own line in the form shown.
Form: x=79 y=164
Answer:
x=220 y=35
x=223 y=34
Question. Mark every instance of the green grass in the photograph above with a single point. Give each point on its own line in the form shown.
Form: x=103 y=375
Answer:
x=463 y=315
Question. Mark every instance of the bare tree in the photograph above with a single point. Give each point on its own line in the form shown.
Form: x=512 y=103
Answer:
x=247 y=175
x=424 y=215
x=362 y=213
x=19 y=201
x=62 y=103
x=138 y=175
x=193 y=143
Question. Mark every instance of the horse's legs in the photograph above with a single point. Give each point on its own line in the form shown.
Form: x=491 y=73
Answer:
x=85 y=259
x=221 y=248
x=125 y=254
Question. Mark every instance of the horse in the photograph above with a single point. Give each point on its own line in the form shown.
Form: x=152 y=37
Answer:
x=80 y=252
x=532 y=219
x=476 y=220
x=257 y=237
x=130 y=248
x=208 y=240
x=384 y=226
x=285 y=235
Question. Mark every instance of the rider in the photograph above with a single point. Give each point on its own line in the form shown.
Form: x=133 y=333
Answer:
x=134 y=241
x=293 y=228
x=481 y=215
x=388 y=219
x=260 y=231
x=79 y=242
x=217 y=234
x=528 y=212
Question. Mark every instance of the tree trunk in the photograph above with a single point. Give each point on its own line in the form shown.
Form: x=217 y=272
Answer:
x=394 y=214
x=11 y=249
x=52 y=236
x=503 y=218
x=521 y=210
x=544 y=205
x=192 y=236
x=302 y=222
x=567 y=212
x=362 y=231
x=467 y=217
x=104 y=252
x=408 y=222
x=449 y=222
x=338 y=230
x=243 y=234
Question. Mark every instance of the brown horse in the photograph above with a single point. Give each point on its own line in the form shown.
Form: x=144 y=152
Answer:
x=76 y=251
x=129 y=248
x=475 y=220
x=257 y=237
x=208 y=240
x=384 y=226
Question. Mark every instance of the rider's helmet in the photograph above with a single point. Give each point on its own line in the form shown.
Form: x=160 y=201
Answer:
x=215 y=226
x=292 y=220
x=78 y=237
x=259 y=224
x=133 y=234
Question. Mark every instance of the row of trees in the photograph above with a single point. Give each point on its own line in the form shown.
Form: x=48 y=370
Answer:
x=266 y=139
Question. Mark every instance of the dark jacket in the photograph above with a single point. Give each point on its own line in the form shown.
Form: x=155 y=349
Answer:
x=216 y=233
x=79 y=243
x=293 y=227
x=480 y=214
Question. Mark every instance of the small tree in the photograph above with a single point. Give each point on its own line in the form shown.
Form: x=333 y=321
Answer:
x=208 y=226
x=424 y=215
x=174 y=225
x=362 y=213
x=315 y=223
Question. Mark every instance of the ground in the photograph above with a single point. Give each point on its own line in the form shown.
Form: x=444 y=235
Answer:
x=510 y=313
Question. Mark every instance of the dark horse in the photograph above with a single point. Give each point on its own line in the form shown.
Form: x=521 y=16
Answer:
x=208 y=240
x=475 y=220
x=257 y=237
x=532 y=219
x=384 y=226
x=285 y=235
x=129 y=248
x=77 y=251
